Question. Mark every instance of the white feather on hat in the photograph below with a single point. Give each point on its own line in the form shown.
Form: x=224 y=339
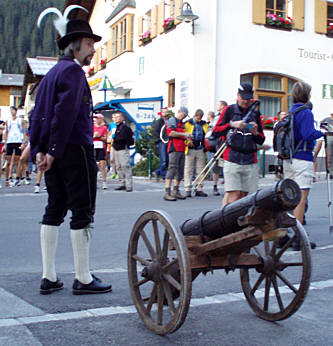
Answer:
x=61 y=22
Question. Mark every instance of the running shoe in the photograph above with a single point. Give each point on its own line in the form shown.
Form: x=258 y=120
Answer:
x=14 y=183
x=36 y=189
x=104 y=185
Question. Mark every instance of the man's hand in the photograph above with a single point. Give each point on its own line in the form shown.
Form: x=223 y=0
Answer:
x=44 y=162
x=239 y=124
x=254 y=129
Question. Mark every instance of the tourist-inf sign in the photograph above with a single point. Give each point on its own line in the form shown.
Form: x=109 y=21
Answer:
x=327 y=91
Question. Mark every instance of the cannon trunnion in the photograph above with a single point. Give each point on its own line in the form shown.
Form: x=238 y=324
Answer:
x=164 y=259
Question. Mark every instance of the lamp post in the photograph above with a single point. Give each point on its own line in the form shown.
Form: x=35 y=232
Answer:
x=187 y=15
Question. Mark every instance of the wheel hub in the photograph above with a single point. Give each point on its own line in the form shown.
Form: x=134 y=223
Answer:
x=152 y=272
x=269 y=265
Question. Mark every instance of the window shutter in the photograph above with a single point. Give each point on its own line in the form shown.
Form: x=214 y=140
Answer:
x=320 y=16
x=298 y=14
x=259 y=11
x=161 y=16
x=178 y=10
x=96 y=61
x=98 y=55
x=140 y=27
x=153 y=19
x=108 y=50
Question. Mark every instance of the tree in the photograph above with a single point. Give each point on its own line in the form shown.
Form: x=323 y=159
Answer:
x=19 y=36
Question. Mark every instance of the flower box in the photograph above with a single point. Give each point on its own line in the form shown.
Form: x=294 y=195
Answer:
x=268 y=121
x=330 y=30
x=169 y=24
x=91 y=71
x=278 y=22
x=103 y=63
x=145 y=37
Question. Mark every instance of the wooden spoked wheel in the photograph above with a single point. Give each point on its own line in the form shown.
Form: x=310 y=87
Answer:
x=159 y=272
x=278 y=288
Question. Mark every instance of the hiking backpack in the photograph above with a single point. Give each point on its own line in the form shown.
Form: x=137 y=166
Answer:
x=284 y=141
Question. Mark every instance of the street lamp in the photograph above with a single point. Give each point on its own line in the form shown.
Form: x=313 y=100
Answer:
x=187 y=15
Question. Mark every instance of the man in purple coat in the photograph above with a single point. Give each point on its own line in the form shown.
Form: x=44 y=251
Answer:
x=62 y=142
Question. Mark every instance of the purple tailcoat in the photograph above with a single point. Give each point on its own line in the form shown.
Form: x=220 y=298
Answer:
x=63 y=110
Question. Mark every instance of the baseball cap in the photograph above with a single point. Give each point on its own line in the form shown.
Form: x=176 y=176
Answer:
x=99 y=116
x=183 y=109
x=246 y=91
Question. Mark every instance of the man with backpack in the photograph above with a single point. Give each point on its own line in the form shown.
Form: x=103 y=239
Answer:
x=300 y=142
x=241 y=127
x=162 y=146
x=176 y=150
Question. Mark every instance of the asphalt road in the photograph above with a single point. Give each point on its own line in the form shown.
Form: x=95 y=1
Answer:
x=219 y=313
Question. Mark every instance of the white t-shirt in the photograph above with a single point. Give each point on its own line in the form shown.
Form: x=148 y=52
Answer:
x=15 y=131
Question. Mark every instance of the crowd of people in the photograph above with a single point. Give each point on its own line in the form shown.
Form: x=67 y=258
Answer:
x=239 y=126
x=111 y=146
x=182 y=145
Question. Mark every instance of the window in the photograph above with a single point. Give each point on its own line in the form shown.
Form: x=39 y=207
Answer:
x=115 y=41
x=278 y=7
x=273 y=90
x=122 y=36
x=284 y=8
x=16 y=101
x=329 y=13
x=171 y=93
x=123 y=25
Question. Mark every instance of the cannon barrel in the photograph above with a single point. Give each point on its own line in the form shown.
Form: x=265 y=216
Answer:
x=282 y=196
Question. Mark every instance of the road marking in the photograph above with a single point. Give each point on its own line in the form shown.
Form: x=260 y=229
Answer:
x=14 y=306
x=120 y=310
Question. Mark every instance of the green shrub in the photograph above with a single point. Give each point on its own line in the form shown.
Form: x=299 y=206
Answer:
x=141 y=168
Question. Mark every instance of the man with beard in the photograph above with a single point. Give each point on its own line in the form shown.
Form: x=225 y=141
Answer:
x=62 y=142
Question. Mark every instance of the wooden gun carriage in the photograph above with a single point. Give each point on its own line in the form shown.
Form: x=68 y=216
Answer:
x=164 y=259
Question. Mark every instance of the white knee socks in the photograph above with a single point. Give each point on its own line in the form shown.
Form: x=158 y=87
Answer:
x=49 y=242
x=80 y=243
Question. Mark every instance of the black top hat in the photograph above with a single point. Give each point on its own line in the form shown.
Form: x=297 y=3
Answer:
x=76 y=28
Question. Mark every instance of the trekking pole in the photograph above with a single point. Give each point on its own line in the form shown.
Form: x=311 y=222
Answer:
x=328 y=175
x=209 y=166
x=329 y=183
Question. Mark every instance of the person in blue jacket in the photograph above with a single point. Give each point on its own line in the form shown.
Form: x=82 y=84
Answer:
x=62 y=142
x=300 y=168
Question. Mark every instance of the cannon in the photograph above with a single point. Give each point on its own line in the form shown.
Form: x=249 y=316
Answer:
x=164 y=258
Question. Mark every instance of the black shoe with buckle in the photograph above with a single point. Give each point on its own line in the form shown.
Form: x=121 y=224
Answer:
x=94 y=287
x=201 y=194
x=47 y=286
x=120 y=188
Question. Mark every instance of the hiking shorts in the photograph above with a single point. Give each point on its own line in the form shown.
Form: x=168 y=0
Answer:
x=176 y=165
x=240 y=177
x=13 y=148
x=301 y=171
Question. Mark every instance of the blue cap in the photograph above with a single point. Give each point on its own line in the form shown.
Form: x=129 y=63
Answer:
x=184 y=110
